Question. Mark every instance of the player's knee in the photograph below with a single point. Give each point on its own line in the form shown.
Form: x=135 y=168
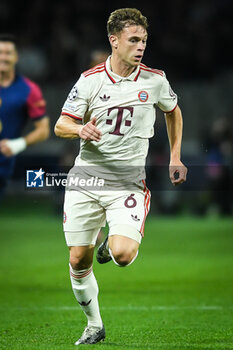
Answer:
x=79 y=261
x=124 y=257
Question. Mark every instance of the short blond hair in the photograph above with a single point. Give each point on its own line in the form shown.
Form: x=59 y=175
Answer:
x=121 y=18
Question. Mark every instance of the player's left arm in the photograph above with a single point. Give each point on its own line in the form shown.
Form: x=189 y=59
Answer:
x=36 y=110
x=174 y=122
x=39 y=133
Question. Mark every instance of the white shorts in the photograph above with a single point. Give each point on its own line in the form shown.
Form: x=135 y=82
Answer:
x=85 y=212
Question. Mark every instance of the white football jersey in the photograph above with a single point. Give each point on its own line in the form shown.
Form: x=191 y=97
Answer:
x=125 y=112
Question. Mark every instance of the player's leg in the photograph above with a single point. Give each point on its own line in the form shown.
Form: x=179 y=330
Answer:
x=84 y=284
x=123 y=250
x=123 y=240
x=121 y=245
x=79 y=208
x=86 y=291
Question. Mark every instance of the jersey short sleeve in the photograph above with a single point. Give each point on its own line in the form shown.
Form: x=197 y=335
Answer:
x=167 y=98
x=76 y=103
x=35 y=103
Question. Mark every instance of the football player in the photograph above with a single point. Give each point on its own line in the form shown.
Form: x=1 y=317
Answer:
x=20 y=100
x=111 y=109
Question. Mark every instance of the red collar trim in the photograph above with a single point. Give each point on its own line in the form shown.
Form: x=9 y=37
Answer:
x=136 y=78
x=111 y=78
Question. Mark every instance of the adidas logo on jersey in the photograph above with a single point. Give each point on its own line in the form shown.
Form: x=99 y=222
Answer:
x=135 y=217
x=104 y=98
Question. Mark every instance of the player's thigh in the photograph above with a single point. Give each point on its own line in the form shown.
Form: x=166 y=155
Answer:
x=127 y=213
x=122 y=245
x=83 y=218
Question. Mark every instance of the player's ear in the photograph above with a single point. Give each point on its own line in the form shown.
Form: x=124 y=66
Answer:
x=113 y=39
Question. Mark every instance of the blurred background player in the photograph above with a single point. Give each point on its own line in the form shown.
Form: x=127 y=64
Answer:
x=20 y=100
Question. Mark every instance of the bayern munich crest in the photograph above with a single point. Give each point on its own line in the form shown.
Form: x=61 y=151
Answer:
x=143 y=96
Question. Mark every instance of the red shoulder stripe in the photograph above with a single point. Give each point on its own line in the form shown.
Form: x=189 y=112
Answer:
x=143 y=65
x=152 y=69
x=94 y=72
x=156 y=71
x=100 y=65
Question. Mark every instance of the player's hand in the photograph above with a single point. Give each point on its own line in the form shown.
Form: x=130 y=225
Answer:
x=12 y=147
x=177 y=172
x=5 y=149
x=90 y=131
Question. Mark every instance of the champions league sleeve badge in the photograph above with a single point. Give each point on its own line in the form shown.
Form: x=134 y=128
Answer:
x=73 y=94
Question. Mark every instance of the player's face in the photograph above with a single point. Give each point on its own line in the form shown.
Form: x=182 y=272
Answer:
x=131 y=44
x=8 y=56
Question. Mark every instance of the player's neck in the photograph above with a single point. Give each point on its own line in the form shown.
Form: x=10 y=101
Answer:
x=120 y=68
x=6 y=78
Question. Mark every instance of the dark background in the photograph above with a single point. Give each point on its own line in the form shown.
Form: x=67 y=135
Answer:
x=190 y=41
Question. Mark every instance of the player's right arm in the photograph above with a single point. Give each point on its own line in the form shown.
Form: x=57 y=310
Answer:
x=70 y=128
x=168 y=104
x=70 y=123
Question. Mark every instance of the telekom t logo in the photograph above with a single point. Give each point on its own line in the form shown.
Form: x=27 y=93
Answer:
x=120 y=112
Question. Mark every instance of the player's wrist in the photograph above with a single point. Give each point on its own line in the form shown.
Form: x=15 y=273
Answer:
x=175 y=160
x=17 y=145
x=79 y=132
x=175 y=157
